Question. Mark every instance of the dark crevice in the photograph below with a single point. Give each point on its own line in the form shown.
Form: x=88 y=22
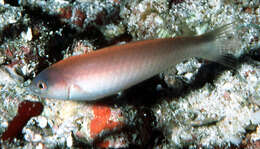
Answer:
x=175 y=2
x=56 y=43
x=254 y=54
x=12 y=2
x=11 y=31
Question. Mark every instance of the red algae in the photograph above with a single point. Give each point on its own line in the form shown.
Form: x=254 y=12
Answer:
x=9 y=52
x=104 y=144
x=75 y=15
x=79 y=18
x=26 y=110
x=66 y=12
x=101 y=120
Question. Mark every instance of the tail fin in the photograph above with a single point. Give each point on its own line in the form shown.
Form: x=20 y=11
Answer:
x=219 y=45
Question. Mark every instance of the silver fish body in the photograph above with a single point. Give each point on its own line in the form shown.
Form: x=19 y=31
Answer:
x=110 y=70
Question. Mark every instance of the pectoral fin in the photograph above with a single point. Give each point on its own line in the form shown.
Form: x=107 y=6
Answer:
x=76 y=92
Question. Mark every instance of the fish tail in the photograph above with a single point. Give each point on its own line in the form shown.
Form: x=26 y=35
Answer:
x=220 y=45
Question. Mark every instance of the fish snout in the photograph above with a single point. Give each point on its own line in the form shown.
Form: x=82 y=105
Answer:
x=31 y=89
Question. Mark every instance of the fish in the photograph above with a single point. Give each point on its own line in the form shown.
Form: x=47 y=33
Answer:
x=107 y=71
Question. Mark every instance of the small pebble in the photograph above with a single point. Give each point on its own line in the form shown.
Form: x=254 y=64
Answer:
x=69 y=141
x=42 y=122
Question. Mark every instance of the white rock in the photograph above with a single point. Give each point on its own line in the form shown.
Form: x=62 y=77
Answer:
x=4 y=124
x=69 y=141
x=2 y=2
x=27 y=36
x=256 y=117
x=5 y=77
x=42 y=122
x=40 y=146
x=37 y=138
x=235 y=140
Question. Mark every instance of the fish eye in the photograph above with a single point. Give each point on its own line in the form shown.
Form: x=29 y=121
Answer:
x=41 y=85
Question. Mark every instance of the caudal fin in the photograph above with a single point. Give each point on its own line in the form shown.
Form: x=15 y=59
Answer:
x=220 y=45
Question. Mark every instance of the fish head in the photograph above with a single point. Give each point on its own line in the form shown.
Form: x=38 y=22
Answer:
x=49 y=84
